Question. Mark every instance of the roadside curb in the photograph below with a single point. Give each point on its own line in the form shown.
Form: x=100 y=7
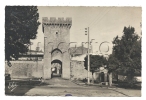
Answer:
x=78 y=83
x=88 y=85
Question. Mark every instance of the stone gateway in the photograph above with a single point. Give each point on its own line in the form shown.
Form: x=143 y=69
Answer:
x=56 y=45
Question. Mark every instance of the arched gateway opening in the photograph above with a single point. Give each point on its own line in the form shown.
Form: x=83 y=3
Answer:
x=56 y=63
x=56 y=69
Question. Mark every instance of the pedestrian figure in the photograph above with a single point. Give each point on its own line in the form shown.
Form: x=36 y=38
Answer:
x=42 y=80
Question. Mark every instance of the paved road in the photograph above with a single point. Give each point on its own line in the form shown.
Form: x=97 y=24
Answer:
x=47 y=91
x=81 y=91
x=60 y=87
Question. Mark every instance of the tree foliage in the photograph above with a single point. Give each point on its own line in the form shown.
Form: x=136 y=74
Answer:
x=21 y=24
x=112 y=64
x=96 y=62
x=127 y=52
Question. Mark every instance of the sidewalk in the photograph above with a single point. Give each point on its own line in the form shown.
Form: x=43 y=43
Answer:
x=80 y=83
x=22 y=82
x=126 y=92
x=92 y=84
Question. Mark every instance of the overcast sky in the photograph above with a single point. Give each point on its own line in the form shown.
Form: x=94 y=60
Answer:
x=104 y=23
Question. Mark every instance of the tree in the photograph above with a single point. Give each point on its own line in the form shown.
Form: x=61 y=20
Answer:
x=127 y=51
x=21 y=24
x=112 y=66
x=96 y=62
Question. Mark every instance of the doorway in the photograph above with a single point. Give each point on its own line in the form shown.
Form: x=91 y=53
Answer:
x=102 y=76
x=56 y=69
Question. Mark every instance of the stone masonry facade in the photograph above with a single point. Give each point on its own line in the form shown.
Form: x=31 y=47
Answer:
x=25 y=69
x=56 y=38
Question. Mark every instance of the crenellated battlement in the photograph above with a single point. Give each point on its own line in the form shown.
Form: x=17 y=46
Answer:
x=54 y=21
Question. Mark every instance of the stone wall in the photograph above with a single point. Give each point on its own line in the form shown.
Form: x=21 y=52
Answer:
x=79 y=72
x=31 y=69
x=25 y=69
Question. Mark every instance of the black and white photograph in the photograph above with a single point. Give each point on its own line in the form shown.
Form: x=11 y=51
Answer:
x=73 y=51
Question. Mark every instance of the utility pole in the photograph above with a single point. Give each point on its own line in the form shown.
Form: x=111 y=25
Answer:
x=87 y=30
x=88 y=59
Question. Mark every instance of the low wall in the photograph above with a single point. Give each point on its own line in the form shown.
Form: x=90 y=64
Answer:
x=31 y=69
x=78 y=71
x=25 y=69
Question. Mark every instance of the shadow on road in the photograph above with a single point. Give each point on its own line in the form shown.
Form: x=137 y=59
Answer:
x=125 y=85
x=19 y=88
x=19 y=91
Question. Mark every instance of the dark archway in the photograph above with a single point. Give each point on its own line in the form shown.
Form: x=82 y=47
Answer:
x=102 y=76
x=56 y=69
